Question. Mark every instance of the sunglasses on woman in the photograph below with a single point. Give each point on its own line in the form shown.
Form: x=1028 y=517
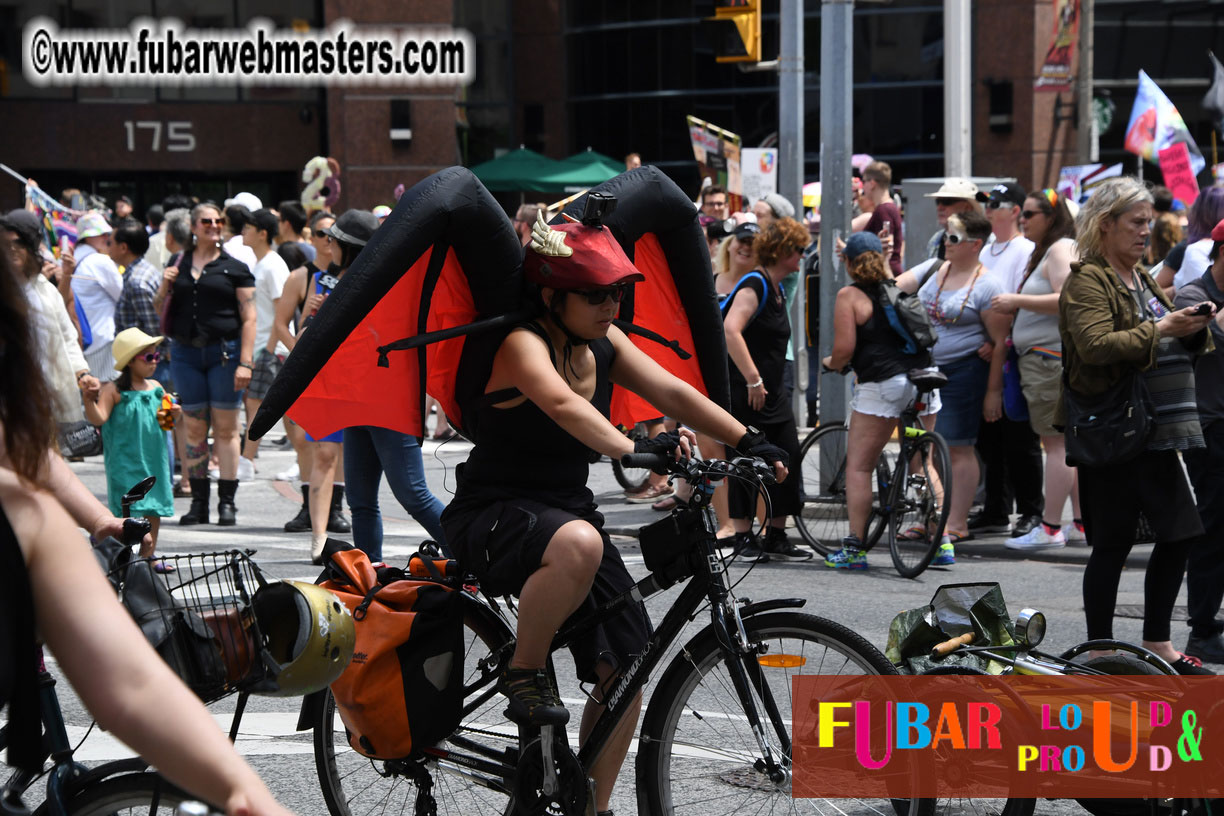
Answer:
x=1027 y=214
x=213 y=222
x=596 y=297
x=149 y=356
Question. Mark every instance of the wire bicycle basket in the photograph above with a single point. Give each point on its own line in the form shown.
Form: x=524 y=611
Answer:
x=198 y=616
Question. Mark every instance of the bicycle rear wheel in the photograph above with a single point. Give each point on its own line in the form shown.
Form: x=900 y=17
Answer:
x=824 y=522
x=697 y=751
x=919 y=507
x=471 y=769
x=134 y=794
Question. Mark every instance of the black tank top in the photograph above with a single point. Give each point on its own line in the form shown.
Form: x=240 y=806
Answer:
x=18 y=654
x=522 y=452
x=767 y=335
x=877 y=348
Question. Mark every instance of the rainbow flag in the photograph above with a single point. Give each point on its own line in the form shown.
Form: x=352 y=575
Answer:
x=1155 y=124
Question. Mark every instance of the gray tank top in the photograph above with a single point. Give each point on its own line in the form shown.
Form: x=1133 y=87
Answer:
x=1037 y=328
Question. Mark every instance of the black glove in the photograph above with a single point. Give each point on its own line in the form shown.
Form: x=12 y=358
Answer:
x=755 y=444
x=664 y=444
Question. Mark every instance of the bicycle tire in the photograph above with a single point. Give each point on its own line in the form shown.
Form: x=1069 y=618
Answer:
x=354 y=784
x=132 y=793
x=823 y=520
x=632 y=479
x=962 y=806
x=918 y=502
x=690 y=762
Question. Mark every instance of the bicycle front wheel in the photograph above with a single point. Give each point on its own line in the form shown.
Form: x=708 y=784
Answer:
x=697 y=751
x=824 y=521
x=134 y=794
x=471 y=769
x=919 y=504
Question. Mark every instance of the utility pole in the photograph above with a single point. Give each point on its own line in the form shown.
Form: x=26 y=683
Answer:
x=1087 y=142
x=958 y=85
x=836 y=138
x=790 y=170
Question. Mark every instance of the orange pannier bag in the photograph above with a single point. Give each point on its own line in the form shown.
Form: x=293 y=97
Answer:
x=403 y=690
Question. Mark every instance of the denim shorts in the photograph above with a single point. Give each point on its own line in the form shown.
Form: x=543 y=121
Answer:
x=202 y=378
x=960 y=417
x=888 y=398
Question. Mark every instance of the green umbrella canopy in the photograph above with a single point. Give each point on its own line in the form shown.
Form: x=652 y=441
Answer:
x=519 y=170
x=585 y=169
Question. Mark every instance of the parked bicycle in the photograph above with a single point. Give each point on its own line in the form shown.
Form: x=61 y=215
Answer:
x=909 y=508
x=982 y=643
x=715 y=737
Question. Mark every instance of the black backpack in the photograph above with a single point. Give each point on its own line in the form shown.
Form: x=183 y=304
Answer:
x=907 y=317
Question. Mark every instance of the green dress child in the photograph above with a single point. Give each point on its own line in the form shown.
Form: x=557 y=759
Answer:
x=134 y=447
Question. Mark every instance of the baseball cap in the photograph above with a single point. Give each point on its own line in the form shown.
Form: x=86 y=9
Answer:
x=1217 y=236
x=747 y=231
x=958 y=188
x=1006 y=192
x=91 y=225
x=780 y=206
x=128 y=342
x=27 y=227
x=861 y=242
x=354 y=227
x=248 y=200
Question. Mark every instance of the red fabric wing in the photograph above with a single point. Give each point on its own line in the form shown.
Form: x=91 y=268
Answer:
x=657 y=307
x=351 y=389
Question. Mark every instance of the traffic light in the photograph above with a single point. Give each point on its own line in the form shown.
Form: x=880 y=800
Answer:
x=735 y=30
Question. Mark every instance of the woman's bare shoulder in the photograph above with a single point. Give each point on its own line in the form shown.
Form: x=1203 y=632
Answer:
x=26 y=507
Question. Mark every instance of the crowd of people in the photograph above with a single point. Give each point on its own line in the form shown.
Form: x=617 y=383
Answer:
x=1035 y=298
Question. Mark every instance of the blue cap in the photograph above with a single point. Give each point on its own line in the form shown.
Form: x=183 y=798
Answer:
x=861 y=242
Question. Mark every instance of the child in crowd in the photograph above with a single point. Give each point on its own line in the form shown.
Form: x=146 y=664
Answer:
x=133 y=442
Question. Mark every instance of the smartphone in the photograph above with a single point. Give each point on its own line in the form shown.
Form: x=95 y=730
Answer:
x=1203 y=308
x=886 y=230
x=65 y=244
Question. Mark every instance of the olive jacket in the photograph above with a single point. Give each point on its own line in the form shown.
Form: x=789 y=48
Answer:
x=1103 y=336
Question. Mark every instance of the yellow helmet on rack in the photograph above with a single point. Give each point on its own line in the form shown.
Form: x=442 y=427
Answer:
x=308 y=634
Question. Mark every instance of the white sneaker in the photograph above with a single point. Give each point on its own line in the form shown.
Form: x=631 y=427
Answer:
x=1037 y=539
x=214 y=473
x=1073 y=534
x=289 y=474
x=246 y=469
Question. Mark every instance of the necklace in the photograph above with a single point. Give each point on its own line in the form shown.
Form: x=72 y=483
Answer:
x=935 y=310
x=1006 y=244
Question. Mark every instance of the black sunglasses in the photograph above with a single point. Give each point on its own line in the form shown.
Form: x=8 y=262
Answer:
x=1030 y=213
x=596 y=297
x=995 y=205
x=213 y=222
x=947 y=202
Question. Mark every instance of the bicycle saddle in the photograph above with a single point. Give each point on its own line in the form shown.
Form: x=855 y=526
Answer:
x=927 y=379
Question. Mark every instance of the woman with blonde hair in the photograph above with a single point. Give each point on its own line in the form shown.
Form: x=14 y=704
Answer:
x=1116 y=324
x=864 y=341
x=735 y=259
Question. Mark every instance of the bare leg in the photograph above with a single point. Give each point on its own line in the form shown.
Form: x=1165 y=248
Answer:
x=303 y=449
x=710 y=448
x=965 y=474
x=250 y=447
x=325 y=457
x=195 y=455
x=866 y=437
x=180 y=450
x=552 y=593
x=225 y=440
x=607 y=766
x=146 y=550
x=1059 y=480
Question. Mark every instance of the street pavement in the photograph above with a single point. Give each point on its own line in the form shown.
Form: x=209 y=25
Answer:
x=865 y=601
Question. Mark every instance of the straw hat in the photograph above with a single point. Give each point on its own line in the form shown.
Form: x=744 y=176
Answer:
x=128 y=343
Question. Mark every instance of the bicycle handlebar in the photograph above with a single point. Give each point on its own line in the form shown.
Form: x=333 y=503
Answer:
x=134 y=530
x=693 y=469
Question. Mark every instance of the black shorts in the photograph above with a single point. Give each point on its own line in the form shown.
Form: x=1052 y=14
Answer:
x=502 y=542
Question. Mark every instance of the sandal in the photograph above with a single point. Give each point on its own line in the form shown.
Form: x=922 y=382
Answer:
x=663 y=505
x=445 y=436
x=913 y=534
x=955 y=538
x=162 y=567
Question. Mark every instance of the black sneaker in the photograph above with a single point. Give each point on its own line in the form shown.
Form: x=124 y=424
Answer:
x=983 y=522
x=780 y=548
x=1189 y=666
x=746 y=549
x=1024 y=525
x=1207 y=649
x=533 y=698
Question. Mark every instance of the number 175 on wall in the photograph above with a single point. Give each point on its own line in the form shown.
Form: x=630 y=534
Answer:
x=174 y=137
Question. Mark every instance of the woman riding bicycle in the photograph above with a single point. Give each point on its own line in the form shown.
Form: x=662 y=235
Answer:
x=863 y=340
x=522 y=518
x=52 y=589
